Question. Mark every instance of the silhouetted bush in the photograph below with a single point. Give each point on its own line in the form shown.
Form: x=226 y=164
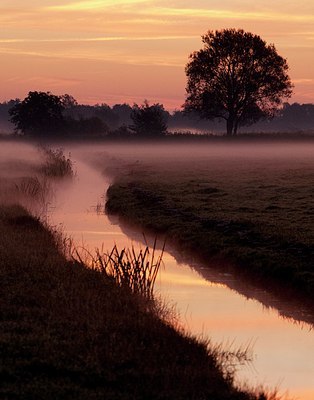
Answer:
x=149 y=121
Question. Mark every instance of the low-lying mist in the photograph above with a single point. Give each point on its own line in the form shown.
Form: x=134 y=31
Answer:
x=230 y=161
x=21 y=178
x=233 y=158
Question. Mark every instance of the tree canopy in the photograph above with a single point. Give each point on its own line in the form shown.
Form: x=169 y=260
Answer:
x=149 y=121
x=236 y=77
x=39 y=114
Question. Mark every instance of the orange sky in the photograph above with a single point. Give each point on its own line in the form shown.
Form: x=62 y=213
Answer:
x=116 y=51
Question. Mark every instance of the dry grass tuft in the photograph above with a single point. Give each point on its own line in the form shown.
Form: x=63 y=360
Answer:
x=136 y=271
x=56 y=164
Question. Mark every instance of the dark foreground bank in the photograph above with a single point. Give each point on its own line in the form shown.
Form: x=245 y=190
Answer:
x=68 y=332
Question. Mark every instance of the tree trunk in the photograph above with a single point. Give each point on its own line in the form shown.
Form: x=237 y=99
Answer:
x=230 y=124
x=235 y=127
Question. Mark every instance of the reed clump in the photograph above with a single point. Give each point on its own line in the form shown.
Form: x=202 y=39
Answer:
x=33 y=188
x=136 y=271
x=32 y=184
x=56 y=164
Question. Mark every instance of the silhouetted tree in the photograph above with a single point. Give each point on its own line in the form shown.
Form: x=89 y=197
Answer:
x=236 y=77
x=149 y=121
x=68 y=101
x=106 y=114
x=39 y=114
x=69 y=104
x=298 y=116
x=123 y=111
x=5 y=124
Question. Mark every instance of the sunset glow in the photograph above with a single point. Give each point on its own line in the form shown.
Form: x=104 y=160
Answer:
x=116 y=51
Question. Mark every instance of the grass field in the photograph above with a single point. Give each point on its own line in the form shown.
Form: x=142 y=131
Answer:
x=250 y=206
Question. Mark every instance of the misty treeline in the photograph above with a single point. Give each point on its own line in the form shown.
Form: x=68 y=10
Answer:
x=116 y=121
x=43 y=114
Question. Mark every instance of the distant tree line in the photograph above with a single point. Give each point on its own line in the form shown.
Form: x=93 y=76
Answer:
x=45 y=115
x=291 y=118
x=122 y=120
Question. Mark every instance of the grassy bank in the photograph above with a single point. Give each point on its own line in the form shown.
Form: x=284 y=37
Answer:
x=251 y=212
x=71 y=332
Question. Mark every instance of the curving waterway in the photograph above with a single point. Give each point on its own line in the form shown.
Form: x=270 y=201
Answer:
x=209 y=304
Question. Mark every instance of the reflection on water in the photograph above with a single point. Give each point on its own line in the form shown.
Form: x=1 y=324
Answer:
x=281 y=349
x=294 y=310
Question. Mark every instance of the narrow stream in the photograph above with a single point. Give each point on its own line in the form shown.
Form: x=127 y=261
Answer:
x=282 y=349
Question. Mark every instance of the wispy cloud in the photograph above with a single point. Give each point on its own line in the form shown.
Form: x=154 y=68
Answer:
x=109 y=56
x=304 y=81
x=94 y=5
x=101 y=39
x=220 y=13
x=222 y=9
x=50 y=81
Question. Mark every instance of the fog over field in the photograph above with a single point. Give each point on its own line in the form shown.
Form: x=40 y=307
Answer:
x=256 y=150
x=19 y=159
x=274 y=163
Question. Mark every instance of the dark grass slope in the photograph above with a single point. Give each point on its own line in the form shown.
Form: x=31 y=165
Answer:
x=267 y=240
x=68 y=332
